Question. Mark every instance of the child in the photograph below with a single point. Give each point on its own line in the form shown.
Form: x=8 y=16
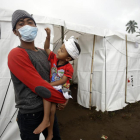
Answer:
x=61 y=72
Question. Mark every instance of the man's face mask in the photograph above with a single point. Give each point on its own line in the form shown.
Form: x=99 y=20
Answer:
x=28 y=33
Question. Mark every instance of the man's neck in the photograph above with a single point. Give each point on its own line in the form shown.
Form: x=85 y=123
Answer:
x=28 y=45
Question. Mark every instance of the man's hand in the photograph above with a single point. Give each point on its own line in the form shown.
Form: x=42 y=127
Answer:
x=62 y=106
x=48 y=31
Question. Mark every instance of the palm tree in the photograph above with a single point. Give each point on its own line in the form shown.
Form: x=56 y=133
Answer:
x=131 y=26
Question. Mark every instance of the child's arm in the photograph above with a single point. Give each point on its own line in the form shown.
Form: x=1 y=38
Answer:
x=47 y=42
x=60 y=82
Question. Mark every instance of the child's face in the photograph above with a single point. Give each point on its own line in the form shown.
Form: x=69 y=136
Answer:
x=62 y=53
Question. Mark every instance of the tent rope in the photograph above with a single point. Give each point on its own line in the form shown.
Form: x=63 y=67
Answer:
x=8 y=123
x=121 y=52
x=59 y=40
x=5 y=96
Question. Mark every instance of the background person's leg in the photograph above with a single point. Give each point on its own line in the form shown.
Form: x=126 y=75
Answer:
x=27 y=123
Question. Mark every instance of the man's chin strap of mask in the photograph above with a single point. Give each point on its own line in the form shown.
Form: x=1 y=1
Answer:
x=71 y=47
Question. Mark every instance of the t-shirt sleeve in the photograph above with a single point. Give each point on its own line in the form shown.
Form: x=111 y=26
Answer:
x=52 y=56
x=69 y=71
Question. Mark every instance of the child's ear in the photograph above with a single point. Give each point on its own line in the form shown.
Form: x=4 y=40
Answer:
x=68 y=58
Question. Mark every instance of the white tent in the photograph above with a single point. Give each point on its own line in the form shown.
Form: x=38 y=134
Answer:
x=108 y=67
x=102 y=81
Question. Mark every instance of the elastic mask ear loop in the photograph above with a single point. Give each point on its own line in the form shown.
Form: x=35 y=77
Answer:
x=16 y=31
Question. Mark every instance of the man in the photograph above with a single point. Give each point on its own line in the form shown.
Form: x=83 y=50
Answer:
x=30 y=70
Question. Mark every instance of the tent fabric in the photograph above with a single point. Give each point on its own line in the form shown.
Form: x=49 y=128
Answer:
x=5 y=15
x=115 y=73
x=84 y=69
x=133 y=77
x=109 y=72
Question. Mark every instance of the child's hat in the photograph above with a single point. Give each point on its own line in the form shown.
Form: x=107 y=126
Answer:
x=18 y=14
x=71 y=47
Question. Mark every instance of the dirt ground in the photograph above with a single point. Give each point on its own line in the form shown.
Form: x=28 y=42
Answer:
x=79 y=123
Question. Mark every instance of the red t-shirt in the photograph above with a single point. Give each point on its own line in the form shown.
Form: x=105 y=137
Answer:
x=57 y=72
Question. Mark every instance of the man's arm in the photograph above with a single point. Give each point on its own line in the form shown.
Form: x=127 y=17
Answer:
x=47 y=42
x=21 y=66
x=60 y=82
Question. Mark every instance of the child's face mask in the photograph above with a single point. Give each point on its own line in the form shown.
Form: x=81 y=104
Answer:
x=28 y=33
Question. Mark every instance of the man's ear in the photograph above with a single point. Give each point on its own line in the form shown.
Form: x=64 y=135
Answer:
x=15 y=32
x=68 y=58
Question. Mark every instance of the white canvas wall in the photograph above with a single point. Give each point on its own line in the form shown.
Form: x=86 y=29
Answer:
x=98 y=76
x=133 y=78
x=84 y=69
x=109 y=72
x=115 y=73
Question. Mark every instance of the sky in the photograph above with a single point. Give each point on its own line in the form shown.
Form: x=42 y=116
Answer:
x=106 y=14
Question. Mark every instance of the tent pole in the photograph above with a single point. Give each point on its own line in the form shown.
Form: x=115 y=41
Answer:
x=62 y=33
x=105 y=72
x=126 y=69
x=91 y=73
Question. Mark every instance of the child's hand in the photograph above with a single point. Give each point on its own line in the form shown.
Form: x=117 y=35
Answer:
x=51 y=84
x=62 y=106
x=48 y=31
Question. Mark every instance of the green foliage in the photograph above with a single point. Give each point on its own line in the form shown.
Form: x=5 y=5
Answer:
x=131 y=26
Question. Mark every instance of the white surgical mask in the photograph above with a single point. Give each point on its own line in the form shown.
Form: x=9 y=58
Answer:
x=28 y=33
